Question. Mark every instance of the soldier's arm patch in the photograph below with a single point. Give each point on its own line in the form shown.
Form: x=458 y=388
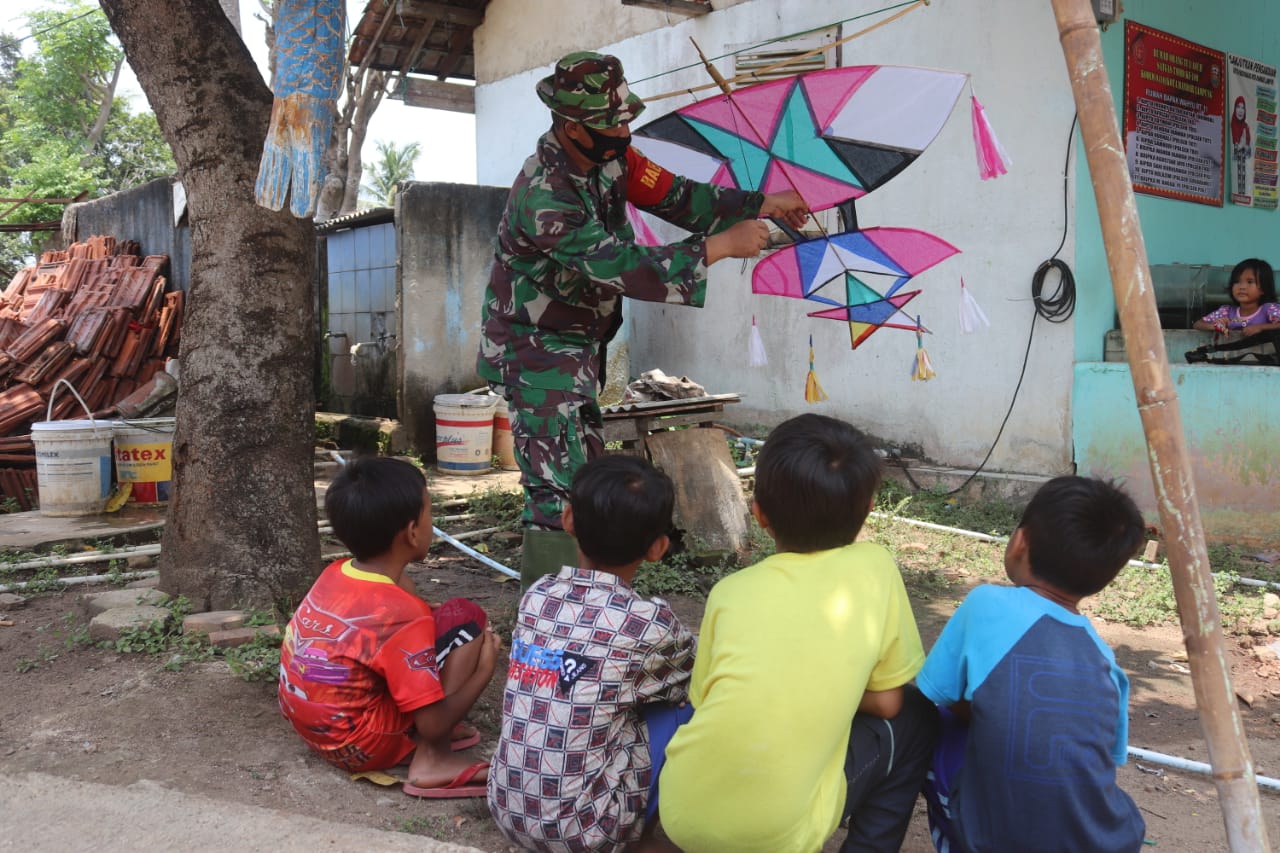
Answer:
x=647 y=182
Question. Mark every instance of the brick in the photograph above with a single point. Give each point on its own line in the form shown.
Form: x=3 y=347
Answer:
x=99 y=602
x=214 y=620
x=152 y=582
x=9 y=601
x=240 y=636
x=111 y=624
x=138 y=562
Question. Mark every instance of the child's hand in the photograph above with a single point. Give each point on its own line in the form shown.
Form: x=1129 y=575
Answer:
x=492 y=644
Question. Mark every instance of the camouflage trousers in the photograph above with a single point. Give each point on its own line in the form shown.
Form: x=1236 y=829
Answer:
x=555 y=433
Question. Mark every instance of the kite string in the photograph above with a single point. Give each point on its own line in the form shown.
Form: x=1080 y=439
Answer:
x=756 y=74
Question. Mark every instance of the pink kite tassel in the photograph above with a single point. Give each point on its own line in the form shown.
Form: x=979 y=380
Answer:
x=757 y=356
x=993 y=160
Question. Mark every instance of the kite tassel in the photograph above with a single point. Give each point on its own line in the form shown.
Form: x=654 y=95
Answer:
x=993 y=160
x=756 y=354
x=921 y=366
x=813 y=392
x=972 y=317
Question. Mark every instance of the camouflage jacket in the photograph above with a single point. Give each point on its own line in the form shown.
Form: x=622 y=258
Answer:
x=566 y=256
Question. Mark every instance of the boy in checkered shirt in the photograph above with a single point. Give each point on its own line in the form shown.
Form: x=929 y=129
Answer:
x=597 y=676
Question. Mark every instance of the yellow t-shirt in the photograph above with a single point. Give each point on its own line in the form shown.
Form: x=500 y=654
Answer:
x=786 y=650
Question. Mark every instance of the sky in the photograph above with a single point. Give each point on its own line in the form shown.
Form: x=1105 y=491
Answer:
x=447 y=139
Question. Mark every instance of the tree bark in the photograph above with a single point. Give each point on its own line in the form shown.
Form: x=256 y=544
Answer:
x=241 y=528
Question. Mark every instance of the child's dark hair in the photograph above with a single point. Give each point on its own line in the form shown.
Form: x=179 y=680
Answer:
x=1262 y=271
x=371 y=500
x=1081 y=532
x=815 y=478
x=621 y=505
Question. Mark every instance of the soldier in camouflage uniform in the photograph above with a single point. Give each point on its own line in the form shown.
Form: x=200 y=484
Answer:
x=566 y=256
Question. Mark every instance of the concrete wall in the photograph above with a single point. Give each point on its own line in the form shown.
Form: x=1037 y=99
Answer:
x=145 y=214
x=521 y=34
x=445 y=235
x=1228 y=413
x=1004 y=228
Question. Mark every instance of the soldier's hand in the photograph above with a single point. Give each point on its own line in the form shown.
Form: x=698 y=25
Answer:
x=744 y=240
x=787 y=207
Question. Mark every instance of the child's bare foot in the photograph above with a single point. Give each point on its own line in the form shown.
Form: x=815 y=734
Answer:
x=434 y=769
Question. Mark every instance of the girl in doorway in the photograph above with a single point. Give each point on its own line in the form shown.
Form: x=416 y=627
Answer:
x=1253 y=295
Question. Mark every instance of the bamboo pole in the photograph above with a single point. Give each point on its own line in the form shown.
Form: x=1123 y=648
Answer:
x=1157 y=400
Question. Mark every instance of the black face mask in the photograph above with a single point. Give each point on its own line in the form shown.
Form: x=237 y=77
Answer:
x=604 y=148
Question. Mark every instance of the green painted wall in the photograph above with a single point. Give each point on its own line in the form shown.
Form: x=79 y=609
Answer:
x=1228 y=413
x=1229 y=416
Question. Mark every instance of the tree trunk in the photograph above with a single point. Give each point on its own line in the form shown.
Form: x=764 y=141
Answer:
x=241 y=529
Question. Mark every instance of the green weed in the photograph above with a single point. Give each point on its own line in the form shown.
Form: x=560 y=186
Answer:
x=993 y=517
x=257 y=660
x=1142 y=597
x=498 y=508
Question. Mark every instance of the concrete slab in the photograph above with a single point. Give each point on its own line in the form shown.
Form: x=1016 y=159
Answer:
x=22 y=531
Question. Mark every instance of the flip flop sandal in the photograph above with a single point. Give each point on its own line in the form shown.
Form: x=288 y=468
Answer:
x=461 y=740
x=456 y=788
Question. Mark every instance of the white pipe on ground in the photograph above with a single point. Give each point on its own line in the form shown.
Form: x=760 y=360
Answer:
x=79 y=579
x=1192 y=766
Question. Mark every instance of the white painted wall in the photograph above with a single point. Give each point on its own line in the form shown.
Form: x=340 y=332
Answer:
x=1004 y=228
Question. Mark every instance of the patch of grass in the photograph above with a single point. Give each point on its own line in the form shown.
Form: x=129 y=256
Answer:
x=43 y=656
x=993 y=517
x=499 y=508
x=257 y=660
x=1142 y=597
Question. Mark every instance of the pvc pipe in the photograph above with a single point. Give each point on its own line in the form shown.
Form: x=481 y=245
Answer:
x=493 y=564
x=75 y=581
x=84 y=557
x=1192 y=766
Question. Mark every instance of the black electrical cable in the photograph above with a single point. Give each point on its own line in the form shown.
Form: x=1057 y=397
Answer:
x=1056 y=308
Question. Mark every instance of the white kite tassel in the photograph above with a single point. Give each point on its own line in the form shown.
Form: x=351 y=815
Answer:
x=972 y=317
x=758 y=358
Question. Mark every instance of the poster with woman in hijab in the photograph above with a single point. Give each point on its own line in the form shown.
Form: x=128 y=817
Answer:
x=1251 y=132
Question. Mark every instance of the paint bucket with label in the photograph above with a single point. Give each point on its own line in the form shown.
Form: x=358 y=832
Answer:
x=73 y=462
x=144 y=458
x=504 y=446
x=464 y=433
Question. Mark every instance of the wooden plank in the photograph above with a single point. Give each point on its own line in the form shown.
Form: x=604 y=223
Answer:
x=437 y=95
x=710 y=505
x=443 y=11
x=679 y=7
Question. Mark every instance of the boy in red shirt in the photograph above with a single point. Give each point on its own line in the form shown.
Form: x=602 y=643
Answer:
x=370 y=676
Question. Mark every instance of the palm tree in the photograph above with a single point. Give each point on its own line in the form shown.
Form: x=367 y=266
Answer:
x=394 y=164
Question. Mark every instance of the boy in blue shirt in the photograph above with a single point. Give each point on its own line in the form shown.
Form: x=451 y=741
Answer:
x=1035 y=710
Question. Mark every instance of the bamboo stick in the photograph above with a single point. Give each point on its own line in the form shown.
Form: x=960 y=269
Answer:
x=1233 y=772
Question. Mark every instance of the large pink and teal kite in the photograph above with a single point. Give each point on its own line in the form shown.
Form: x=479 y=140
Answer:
x=833 y=136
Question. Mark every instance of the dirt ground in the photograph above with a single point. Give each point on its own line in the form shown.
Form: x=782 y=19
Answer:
x=95 y=715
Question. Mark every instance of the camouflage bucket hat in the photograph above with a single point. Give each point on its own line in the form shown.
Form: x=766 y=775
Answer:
x=589 y=88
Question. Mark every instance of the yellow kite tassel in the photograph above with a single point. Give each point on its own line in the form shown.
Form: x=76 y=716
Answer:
x=922 y=367
x=813 y=392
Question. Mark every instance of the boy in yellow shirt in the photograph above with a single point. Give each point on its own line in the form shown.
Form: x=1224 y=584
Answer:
x=803 y=714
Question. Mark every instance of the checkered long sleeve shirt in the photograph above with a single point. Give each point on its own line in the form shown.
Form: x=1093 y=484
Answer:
x=572 y=768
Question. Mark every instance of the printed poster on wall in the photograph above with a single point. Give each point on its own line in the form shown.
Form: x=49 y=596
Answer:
x=1174 y=100
x=1251 y=132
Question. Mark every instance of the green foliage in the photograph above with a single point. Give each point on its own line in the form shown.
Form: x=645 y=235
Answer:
x=993 y=517
x=1142 y=596
x=500 y=508
x=63 y=130
x=394 y=164
x=258 y=660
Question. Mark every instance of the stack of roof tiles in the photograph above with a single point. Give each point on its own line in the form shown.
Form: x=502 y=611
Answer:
x=97 y=315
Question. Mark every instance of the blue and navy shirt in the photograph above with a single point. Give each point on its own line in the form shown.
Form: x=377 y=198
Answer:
x=1049 y=724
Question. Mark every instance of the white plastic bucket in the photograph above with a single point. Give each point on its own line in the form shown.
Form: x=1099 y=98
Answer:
x=144 y=458
x=504 y=446
x=73 y=466
x=464 y=433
